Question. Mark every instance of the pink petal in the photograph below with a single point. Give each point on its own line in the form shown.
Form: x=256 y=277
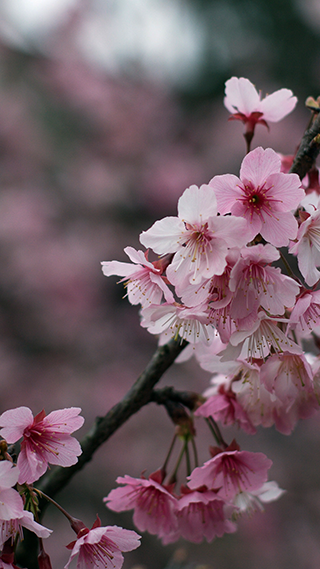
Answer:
x=227 y=191
x=64 y=420
x=14 y=422
x=196 y=205
x=277 y=105
x=241 y=95
x=163 y=237
x=258 y=165
x=279 y=230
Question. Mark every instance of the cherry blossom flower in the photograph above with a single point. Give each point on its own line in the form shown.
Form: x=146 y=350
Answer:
x=10 y=528
x=225 y=408
x=250 y=502
x=174 y=320
x=305 y=315
x=198 y=237
x=46 y=439
x=11 y=504
x=202 y=514
x=102 y=547
x=257 y=341
x=255 y=283
x=263 y=195
x=244 y=103
x=307 y=245
x=143 y=279
x=230 y=472
x=154 y=506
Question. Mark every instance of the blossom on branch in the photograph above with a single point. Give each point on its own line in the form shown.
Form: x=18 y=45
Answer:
x=46 y=439
x=198 y=237
x=143 y=279
x=263 y=196
x=245 y=104
x=102 y=547
x=232 y=471
x=154 y=506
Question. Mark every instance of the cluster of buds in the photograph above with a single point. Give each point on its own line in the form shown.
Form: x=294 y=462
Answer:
x=217 y=283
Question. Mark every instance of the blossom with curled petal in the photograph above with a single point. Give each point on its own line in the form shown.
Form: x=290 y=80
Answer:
x=102 y=547
x=232 y=471
x=154 y=506
x=142 y=279
x=202 y=514
x=46 y=439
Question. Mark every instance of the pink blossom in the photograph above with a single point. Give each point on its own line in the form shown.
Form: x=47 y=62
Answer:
x=245 y=104
x=225 y=408
x=10 y=528
x=250 y=502
x=11 y=504
x=263 y=195
x=202 y=514
x=143 y=279
x=154 y=506
x=305 y=316
x=259 y=340
x=198 y=237
x=101 y=547
x=174 y=320
x=307 y=245
x=231 y=472
x=255 y=283
x=46 y=439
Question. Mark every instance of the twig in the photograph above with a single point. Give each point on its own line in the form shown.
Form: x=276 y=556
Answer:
x=308 y=150
x=138 y=396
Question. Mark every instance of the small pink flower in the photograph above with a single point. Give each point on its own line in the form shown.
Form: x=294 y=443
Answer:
x=307 y=245
x=225 y=408
x=198 y=237
x=244 y=102
x=143 y=279
x=11 y=504
x=177 y=321
x=202 y=514
x=154 y=506
x=263 y=195
x=101 y=547
x=305 y=316
x=10 y=529
x=255 y=283
x=231 y=472
x=46 y=439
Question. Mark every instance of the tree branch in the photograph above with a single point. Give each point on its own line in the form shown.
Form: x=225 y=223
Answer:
x=138 y=396
x=308 y=150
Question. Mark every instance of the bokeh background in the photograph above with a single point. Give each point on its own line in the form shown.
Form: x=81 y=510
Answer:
x=109 y=109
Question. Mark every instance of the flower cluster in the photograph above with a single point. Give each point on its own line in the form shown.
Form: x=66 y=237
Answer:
x=220 y=283
x=46 y=439
x=227 y=485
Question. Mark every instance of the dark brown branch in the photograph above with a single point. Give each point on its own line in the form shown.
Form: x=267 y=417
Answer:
x=138 y=396
x=308 y=150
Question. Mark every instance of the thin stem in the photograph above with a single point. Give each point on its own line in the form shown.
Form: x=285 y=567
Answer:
x=195 y=452
x=62 y=510
x=216 y=432
x=173 y=478
x=188 y=459
x=164 y=468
